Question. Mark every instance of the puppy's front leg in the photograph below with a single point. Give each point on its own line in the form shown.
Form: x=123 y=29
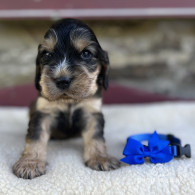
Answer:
x=95 y=154
x=32 y=162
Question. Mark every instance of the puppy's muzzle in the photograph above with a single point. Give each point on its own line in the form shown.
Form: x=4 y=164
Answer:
x=63 y=82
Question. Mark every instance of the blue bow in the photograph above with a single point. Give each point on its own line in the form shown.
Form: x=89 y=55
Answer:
x=158 y=150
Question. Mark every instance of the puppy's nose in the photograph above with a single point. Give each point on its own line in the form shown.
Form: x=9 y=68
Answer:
x=63 y=82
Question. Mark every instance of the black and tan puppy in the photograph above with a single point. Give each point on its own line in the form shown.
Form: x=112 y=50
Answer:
x=71 y=72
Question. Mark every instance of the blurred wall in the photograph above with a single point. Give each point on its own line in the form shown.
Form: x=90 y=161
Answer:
x=154 y=55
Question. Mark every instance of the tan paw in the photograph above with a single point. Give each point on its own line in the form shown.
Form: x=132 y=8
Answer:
x=101 y=163
x=28 y=168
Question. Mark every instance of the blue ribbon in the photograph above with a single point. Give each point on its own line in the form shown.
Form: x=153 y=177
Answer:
x=157 y=150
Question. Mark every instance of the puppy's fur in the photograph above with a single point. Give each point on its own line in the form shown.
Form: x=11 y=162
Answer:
x=71 y=72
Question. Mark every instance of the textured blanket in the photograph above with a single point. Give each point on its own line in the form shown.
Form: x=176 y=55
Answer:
x=66 y=173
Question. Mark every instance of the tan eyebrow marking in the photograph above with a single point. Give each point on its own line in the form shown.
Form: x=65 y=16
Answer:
x=80 y=44
x=80 y=38
x=50 y=42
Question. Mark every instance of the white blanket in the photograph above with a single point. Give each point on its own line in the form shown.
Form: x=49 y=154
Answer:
x=66 y=173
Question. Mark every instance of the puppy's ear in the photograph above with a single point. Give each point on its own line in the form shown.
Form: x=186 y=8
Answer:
x=38 y=71
x=103 y=78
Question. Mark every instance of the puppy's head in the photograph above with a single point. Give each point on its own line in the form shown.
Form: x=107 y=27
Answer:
x=70 y=63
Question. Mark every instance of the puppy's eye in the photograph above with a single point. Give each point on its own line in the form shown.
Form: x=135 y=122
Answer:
x=48 y=55
x=86 y=54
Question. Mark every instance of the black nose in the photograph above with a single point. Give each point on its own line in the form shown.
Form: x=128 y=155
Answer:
x=63 y=82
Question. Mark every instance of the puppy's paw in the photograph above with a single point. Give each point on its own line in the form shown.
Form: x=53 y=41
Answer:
x=29 y=168
x=101 y=163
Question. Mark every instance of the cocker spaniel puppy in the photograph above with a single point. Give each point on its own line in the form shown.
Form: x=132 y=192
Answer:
x=71 y=73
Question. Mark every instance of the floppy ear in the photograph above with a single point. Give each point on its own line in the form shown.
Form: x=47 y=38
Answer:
x=103 y=78
x=37 y=78
x=38 y=72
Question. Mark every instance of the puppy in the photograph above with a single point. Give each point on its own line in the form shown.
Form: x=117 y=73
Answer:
x=71 y=72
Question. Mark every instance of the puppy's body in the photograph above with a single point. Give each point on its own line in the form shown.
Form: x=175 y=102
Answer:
x=71 y=72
